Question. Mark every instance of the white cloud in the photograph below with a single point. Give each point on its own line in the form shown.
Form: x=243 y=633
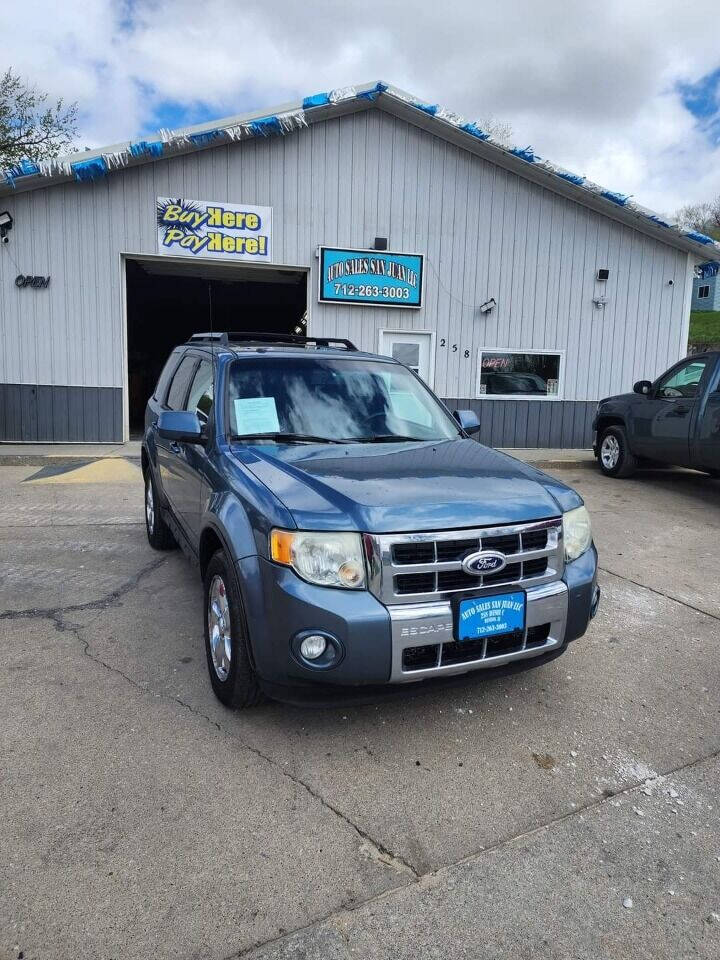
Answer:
x=592 y=87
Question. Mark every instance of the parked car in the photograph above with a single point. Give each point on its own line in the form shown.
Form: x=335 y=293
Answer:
x=348 y=530
x=675 y=420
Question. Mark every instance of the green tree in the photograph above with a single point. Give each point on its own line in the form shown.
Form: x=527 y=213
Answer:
x=30 y=128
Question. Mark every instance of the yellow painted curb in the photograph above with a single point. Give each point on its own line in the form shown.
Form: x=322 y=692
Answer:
x=113 y=470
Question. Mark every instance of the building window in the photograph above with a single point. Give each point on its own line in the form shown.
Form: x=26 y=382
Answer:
x=704 y=291
x=520 y=375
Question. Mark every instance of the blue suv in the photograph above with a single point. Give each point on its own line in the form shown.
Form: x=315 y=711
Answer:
x=349 y=532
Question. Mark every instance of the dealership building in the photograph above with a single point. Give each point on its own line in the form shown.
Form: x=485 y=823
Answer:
x=511 y=285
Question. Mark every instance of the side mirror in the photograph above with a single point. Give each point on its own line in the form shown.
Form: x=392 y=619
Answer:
x=468 y=420
x=643 y=387
x=180 y=425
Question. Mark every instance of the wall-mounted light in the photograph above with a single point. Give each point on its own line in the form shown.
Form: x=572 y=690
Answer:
x=602 y=274
x=6 y=225
x=488 y=305
x=380 y=243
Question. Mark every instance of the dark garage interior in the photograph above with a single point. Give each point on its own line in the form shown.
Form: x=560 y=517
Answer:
x=169 y=301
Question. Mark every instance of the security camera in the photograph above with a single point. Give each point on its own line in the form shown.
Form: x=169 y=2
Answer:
x=6 y=223
x=671 y=283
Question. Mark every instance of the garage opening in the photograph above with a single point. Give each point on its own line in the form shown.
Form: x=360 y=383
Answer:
x=168 y=301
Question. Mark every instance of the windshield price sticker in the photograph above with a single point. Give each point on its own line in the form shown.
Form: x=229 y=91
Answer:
x=370 y=277
x=489 y=616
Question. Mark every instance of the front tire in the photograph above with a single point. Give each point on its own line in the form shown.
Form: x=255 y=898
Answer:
x=159 y=534
x=232 y=674
x=614 y=457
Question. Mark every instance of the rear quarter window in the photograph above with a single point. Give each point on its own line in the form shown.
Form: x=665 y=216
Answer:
x=165 y=377
x=181 y=382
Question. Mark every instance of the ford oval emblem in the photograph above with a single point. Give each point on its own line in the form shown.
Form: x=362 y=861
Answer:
x=487 y=561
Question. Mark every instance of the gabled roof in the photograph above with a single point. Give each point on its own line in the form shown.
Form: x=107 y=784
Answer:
x=94 y=164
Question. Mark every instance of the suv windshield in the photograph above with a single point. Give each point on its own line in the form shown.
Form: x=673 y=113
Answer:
x=324 y=398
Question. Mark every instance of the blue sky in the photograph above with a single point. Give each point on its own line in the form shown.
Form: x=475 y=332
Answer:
x=702 y=99
x=629 y=99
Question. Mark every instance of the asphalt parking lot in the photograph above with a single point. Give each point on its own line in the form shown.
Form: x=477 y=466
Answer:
x=568 y=812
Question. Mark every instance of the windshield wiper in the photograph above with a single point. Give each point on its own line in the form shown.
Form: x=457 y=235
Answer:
x=392 y=438
x=285 y=437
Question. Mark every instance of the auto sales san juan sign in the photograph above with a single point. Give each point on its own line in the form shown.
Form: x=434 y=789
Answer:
x=208 y=229
x=372 y=277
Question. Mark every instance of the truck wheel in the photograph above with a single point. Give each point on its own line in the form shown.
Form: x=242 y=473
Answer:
x=226 y=637
x=159 y=534
x=615 y=458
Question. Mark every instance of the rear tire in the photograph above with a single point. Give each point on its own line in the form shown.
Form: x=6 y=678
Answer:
x=232 y=674
x=614 y=456
x=159 y=534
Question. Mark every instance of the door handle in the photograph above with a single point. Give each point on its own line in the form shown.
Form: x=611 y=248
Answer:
x=679 y=412
x=175 y=446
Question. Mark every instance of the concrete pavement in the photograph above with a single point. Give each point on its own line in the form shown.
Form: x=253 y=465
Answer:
x=504 y=816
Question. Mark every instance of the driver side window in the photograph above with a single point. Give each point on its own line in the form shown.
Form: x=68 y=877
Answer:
x=683 y=381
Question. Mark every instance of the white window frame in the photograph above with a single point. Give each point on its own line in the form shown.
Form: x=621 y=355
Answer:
x=428 y=333
x=706 y=295
x=560 y=395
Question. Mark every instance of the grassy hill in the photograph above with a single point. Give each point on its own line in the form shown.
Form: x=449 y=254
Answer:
x=705 y=327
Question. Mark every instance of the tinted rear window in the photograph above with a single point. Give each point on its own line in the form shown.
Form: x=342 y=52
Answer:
x=181 y=382
x=164 y=379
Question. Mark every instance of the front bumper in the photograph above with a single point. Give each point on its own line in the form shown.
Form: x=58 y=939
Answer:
x=375 y=639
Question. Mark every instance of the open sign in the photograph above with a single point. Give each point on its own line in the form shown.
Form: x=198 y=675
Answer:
x=25 y=280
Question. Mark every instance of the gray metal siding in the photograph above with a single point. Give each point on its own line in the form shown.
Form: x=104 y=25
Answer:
x=485 y=232
x=60 y=414
x=531 y=423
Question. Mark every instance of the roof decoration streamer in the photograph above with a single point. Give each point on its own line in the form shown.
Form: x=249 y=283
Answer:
x=698 y=237
x=527 y=154
x=707 y=270
x=620 y=199
x=475 y=131
x=25 y=168
x=204 y=137
x=373 y=93
x=101 y=163
x=343 y=93
x=91 y=169
x=431 y=108
x=570 y=177
x=153 y=148
x=316 y=100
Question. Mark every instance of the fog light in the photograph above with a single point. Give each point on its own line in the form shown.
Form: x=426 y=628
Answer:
x=313 y=646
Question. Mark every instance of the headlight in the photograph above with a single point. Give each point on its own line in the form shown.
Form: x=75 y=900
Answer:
x=328 y=559
x=577 y=534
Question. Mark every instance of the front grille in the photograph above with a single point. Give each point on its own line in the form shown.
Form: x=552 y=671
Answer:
x=415 y=583
x=423 y=566
x=470 y=651
x=449 y=550
x=420 y=658
x=413 y=553
x=507 y=544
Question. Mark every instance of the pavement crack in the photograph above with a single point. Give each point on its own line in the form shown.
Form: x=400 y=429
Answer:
x=57 y=613
x=660 y=593
x=421 y=881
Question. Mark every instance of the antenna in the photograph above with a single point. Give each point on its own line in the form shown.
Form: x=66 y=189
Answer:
x=212 y=342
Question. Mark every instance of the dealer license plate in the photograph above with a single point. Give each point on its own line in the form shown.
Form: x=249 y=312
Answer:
x=489 y=616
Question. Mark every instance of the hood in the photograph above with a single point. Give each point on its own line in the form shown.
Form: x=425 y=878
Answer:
x=399 y=487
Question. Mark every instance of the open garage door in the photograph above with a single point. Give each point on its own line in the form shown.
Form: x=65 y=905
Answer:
x=167 y=301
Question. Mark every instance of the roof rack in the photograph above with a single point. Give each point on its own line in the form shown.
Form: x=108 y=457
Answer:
x=209 y=337
x=270 y=338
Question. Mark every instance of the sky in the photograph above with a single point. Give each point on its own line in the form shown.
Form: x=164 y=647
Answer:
x=626 y=92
